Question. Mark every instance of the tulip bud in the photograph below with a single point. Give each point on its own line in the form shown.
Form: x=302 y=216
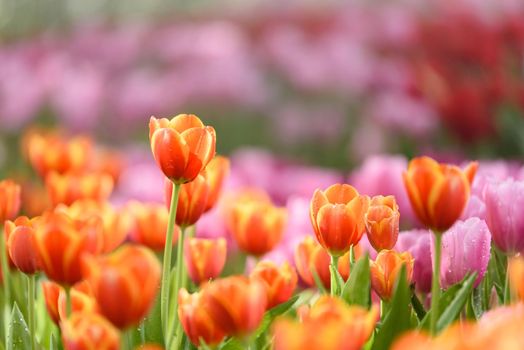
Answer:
x=382 y=222
x=215 y=173
x=192 y=200
x=438 y=193
x=418 y=244
x=68 y=188
x=9 y=200
x=86 y=331
x=182 y=146
x=280 y=281
x=82 y=299
x=204 y=258
x=385 y=271
x=21 y=244
x=337 y=216
x=124 y=283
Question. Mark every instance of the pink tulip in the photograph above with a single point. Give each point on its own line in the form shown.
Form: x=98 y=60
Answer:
x=417 y=242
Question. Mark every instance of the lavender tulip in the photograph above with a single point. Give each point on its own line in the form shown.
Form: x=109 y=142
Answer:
x=417 y=242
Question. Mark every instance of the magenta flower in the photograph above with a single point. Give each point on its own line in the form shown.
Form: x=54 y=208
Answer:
x=504 y=201
x=465 y=249
x=417 y=242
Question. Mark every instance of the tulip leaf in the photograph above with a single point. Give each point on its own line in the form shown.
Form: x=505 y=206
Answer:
x=271 y=314
x=398 y=319
x=336 y=279
x=318 y=282
x=358 y=286
x=18 y=336
x=232 y=344
x=418 y=307
x=453 y=309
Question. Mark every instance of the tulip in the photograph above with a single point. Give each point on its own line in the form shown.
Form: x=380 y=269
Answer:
x=196 y=321
x=69 y=187
x=192 y=200
x=149 y=347
x=62 y=241
x=150 y=225
x=418 y=244
x=257 y=226
x=504 y=201
x=516 y=276
x=124 y=283
x=215 y=173
x=337 y=216
x=82 y=299
x=438 y=193
x=465 y=249
x=280 y=281
x=236 y=304
x=86 y=331
x=205 y=258
x=385 y=271
x=182 y=146
x=9 y=200
x=382 y=222
x=21 y=245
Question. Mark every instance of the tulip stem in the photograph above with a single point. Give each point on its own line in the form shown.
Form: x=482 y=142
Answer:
x=6 y=280
x=351 y=256
x=166 y=266
x=31 y=309
x=69 y=301
x=333 y=269
x=435 y=285
x=179 y=276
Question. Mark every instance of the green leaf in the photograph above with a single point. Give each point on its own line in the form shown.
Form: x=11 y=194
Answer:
x=270 y=315
x=152 y=324
x=445 y=299
x=318 y=281
x=397 y=320
x=18 y=336
x=417 y=306
x=232 y=344
x=357 y=288
x=453 y=309
x=336 y=279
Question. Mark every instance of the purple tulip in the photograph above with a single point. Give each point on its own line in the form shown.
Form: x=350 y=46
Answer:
x=417 y=242
x=465 y=249
x=504 y=202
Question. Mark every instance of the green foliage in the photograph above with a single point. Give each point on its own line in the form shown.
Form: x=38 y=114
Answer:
x=358 y=286
x=18 y=337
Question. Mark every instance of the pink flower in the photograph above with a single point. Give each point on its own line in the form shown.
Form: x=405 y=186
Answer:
x=417 y=242
x=504 y=202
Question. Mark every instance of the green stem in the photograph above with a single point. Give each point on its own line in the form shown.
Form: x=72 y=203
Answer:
x=179 y=276
x=435 y=285
x=6 y=280
x=351 y=256
x=333 y=268
x=69 y=302
x=31 y=309
x=166 y=267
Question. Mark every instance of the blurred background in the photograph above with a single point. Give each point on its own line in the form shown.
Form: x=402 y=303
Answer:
x=319 y=83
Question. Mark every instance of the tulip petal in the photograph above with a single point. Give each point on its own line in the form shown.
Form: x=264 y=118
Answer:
x=340 y=193
x=201 y=146
x=171 y=152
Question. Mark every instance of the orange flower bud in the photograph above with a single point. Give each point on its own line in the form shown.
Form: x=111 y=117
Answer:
x=280 y=281
x=68 y=188
x=310 y=256
x=382 y=222
x=215 y=173
x=87 y=331
x=385 y=271
x=55 y=153
x=21 y=245
x=257 y=226
x=236 y=198
x=516 y=276
x=236 y=304
x=149 y=347
x=438 y=192
x=191 y=201
x=337 y=215
x=62 y=241
x=9 y=200
x=124 y=283
x=205 y=258
x=35 y=198
x=182 y=146
x=82 y=299
x=196 y=321
x=150 y=225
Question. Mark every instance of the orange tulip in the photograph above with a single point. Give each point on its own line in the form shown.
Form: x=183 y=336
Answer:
x=382 y=222
x=87 y=331
x=385 y=271
x=196 y=321
x=9 y=200
x=55 y=153
x=149 y=347
x=280 y=281
x=310 y=256
x=108 y=162
x=438 y=192
x=124 y=283
x=257 y=226
x=516 y=276
x=205 y=258
x=182 y=146
x=34 y=198
x=215 y=173
x=68 y=188
x=192 y=200
x=236 y=304
x=62 y=241
x=337 y=215
x=150 y=225
x=21 y=244
x=81 y=295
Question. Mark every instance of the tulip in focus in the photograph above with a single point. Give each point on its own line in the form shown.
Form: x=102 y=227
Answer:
x=182 y=146
x=68 y=188
x=124 y=283
x=337 y=216
x=192 y=200
x=9 y=200
x=418 y=244
x=205 y=258
x=87 y=331
x=21 y=244
x=382 y=222
x=215 y=173
x=385 y=271
x=438 y=193
x=280 y=281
